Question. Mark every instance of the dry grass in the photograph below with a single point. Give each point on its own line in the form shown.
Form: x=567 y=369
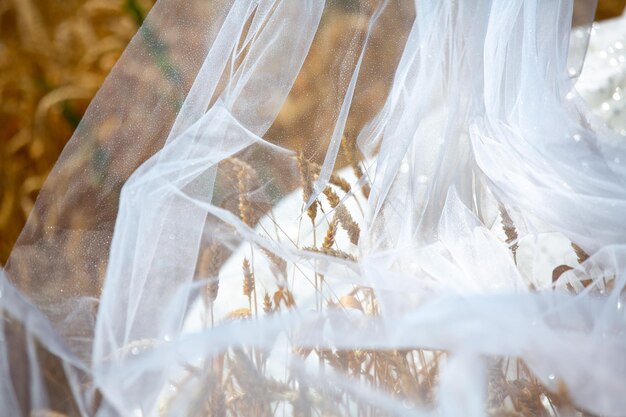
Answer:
x=410 y=375
x=53 y=58
x=306 y=183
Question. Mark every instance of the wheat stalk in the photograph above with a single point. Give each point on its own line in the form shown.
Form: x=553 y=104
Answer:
x=306 y=182
x=329 y=239
x=348 y=224
x=315 y=169
x=509 y=230
x=335 y=253
x=350 y=151
x=209 y=263
x=248 y=282
x=267 y=304
x=332 y=197
x=278 y=264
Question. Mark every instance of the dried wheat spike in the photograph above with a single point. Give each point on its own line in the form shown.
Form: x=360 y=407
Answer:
x=509 y=230
x=497 y=384
x=237 y=164
x=329 y=239
x=350 y=151
x=239 y=314
x=208 y=261
x=348 y=224
x=580 y=253
x=558 y=271
x=212 y=289
x=306 y=182
x=245 y=174
x=331 y=196
x=526 y=398
x=208 y=266
x=248 y=279
x=335 y=179
x=267 y=304
x=284 y=296
x=279 y=265
x=338 y=181
x=335 y=253
x=312 y=211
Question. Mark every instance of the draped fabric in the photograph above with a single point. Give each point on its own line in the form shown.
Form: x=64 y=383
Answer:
x=312 y=207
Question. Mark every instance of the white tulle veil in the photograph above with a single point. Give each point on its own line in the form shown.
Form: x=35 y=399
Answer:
x=483 y=221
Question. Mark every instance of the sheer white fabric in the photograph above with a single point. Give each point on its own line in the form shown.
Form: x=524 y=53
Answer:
x=481 y=167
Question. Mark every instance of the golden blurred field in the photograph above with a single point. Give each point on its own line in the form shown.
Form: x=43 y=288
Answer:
x=54 y=55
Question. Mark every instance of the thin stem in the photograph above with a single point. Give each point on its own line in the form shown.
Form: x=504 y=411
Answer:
x=256 y=314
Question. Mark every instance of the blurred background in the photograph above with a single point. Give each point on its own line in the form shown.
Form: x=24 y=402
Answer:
x=54 y=55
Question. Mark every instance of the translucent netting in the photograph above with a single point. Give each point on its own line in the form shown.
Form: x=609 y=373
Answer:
x=311 y=208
